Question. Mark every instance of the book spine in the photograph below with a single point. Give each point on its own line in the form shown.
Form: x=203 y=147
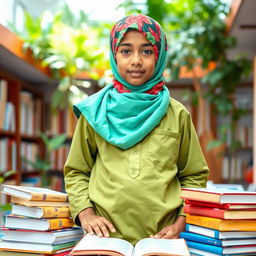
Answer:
x=200 y=238
x=55 y=212
x=203 y=231
x=204 y=211
x=48 y=197
x=203 y=221
x=222 y=225
x=60 y=223
x=205 y=247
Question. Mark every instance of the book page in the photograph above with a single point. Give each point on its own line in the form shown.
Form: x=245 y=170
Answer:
x=89 y=242
x=153 y=246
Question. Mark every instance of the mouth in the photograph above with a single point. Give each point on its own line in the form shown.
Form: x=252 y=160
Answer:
x=135 y=73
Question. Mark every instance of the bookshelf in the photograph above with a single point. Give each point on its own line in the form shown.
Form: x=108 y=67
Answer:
x=235 y=164
x=24 y=88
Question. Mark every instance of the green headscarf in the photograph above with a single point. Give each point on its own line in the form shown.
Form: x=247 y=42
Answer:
x=124 y=119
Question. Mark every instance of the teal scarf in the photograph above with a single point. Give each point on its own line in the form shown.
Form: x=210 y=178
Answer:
x=124 y=119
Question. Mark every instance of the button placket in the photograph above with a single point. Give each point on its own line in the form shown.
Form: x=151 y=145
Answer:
x=134 y=160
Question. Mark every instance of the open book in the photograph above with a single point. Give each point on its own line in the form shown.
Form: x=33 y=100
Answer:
x=93 y=245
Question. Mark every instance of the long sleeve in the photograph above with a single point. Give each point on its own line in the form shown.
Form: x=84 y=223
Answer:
x=78 y=167
x=192 y=166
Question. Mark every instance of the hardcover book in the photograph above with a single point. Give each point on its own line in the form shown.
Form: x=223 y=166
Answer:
x=223 y=250
x=14 y=222
x=34 y=193
x=220 y=213
x=223 y=196
x=26 y=202
x=14 y=253
x=221 y=225
x=188 y=236
x=220 y=234
x=45 y=237
x=40 y=212
x=93 y=245
x=35 y=247
x=221 y=206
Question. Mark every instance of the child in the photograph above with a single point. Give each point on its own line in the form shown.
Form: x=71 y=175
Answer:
x=134 y=147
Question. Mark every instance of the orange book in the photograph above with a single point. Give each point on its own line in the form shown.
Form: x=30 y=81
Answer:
x=26 y=202
x=40 y=212
x=221 y=225
x=35 y=193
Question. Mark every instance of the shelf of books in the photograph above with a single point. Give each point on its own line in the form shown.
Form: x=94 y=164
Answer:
x=236 y=163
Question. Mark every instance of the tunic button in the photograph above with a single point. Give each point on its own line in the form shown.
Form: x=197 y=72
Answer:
x=156 y=162
x=135 y=153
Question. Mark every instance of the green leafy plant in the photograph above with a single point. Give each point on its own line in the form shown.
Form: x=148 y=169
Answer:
x=67 y=44
x=197 y=34
x=43 y=164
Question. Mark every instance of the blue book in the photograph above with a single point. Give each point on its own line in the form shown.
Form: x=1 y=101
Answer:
x=222 y=250
x=197 y=252
x=213 y=241
x=220 y=234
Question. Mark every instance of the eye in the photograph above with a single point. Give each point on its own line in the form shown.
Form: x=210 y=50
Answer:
x=147 y=51
x=125 y=51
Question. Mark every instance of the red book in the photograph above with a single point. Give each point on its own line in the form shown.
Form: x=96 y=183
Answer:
x=222 y=206
x=220 y=213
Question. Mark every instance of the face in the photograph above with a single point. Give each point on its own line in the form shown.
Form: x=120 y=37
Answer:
x=135 y=58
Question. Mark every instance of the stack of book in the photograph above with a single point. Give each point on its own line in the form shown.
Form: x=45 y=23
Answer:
x=220 y=222
x=39 y=223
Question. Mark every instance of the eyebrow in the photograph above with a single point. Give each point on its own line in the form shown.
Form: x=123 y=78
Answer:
x=128 y=44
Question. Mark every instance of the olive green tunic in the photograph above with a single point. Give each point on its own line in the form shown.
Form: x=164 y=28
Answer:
x=137 y=189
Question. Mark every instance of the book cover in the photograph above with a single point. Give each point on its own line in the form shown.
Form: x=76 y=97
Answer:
x=222 y=250
x=26 y=202
x=221 y=225
x=223 y=196
x=197 y=252
x=40 y=212
x=35 y=247
x=188 y=236
x=14 y=222
x=221 y=206
x=46 y=237
x=93 y=245
x=220 y=213
x=14 y=253
x=219 y=234
x=34 y=193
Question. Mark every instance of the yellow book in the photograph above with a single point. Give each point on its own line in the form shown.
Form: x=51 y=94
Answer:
x=40 y=212
x=35 y=193
x=221 y=225
x=26 y=202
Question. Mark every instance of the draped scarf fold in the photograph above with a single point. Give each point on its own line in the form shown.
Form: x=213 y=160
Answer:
x=121 y=113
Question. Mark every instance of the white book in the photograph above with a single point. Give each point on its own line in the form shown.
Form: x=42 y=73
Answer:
x=44 y=237
x=94 y=245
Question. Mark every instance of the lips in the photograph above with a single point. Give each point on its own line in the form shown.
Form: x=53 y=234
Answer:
x=135 y=73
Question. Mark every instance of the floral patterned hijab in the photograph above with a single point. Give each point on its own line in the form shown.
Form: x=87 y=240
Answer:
x=123 y=117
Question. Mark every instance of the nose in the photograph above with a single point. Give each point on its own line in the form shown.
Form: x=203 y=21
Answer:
x=136 y=59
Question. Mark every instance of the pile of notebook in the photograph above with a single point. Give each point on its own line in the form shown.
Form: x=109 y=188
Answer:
x=220 y=222
x=39 y=223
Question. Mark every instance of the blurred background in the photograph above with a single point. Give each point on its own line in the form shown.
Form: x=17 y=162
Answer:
x=55 y=53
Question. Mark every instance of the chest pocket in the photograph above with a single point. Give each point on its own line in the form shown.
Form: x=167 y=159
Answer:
x=163 y=148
